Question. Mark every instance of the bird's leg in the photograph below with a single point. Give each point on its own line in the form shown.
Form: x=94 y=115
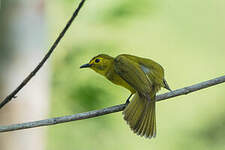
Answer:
x=128 y=99
x=166 y=85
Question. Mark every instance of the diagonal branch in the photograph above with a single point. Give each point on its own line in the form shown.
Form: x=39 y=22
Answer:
x=108 y=110
x=37 y=68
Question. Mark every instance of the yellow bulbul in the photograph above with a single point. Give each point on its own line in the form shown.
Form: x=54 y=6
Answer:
x=142 y=77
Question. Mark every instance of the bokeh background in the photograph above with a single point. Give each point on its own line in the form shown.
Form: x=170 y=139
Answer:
x=186 y=37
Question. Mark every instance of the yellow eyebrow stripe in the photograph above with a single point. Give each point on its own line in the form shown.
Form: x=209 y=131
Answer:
x=93 y=60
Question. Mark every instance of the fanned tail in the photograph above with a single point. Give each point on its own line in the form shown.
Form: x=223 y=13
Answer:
x=140 y=116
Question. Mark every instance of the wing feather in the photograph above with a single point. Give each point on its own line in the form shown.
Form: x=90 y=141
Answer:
x=133 y=74
x=154 y=71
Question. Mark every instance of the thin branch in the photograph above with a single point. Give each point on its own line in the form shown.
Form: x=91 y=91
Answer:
x=117 y=108
x=37 y=68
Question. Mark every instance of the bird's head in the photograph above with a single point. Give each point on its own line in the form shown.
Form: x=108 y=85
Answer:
x=100 y=63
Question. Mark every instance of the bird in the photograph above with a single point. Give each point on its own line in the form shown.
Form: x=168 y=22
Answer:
x=143 y=77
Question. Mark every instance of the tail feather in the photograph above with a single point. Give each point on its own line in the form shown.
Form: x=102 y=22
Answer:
x=148 y=131
x=148 y=126
x=140 y=115
x=140 y=119
x=152 y=122
x=135 y=117
x=131 y=110
x=143 y=121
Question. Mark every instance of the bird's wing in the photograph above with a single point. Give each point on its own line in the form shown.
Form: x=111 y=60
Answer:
x=133 y=74
x=154 y=70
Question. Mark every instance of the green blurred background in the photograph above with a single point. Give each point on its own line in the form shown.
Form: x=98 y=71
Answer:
x=186 y=37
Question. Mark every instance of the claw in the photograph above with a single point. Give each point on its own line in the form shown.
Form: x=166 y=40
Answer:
x=128 y=99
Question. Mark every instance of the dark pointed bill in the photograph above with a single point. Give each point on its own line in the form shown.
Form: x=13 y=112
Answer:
x=85 y=66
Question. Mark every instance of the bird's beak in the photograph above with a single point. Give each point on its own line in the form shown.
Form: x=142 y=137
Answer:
x=86 y=66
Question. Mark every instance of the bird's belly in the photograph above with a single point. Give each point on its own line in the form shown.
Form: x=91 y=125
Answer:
x=116 y=79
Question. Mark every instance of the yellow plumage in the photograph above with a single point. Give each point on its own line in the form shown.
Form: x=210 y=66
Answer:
x=143 y=78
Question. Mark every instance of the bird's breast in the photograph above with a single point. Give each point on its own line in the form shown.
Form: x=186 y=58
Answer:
x=116 y=79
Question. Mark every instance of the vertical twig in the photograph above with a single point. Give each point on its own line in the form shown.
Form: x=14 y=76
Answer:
x=37 y=68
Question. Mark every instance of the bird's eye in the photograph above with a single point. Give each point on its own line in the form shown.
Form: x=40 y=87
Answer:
x=97 y=60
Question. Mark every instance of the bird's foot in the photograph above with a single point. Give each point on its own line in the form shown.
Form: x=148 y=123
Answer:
x=128 y=99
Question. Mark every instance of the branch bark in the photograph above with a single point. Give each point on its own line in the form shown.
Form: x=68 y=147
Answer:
x=108 y=110
x=37 y=68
